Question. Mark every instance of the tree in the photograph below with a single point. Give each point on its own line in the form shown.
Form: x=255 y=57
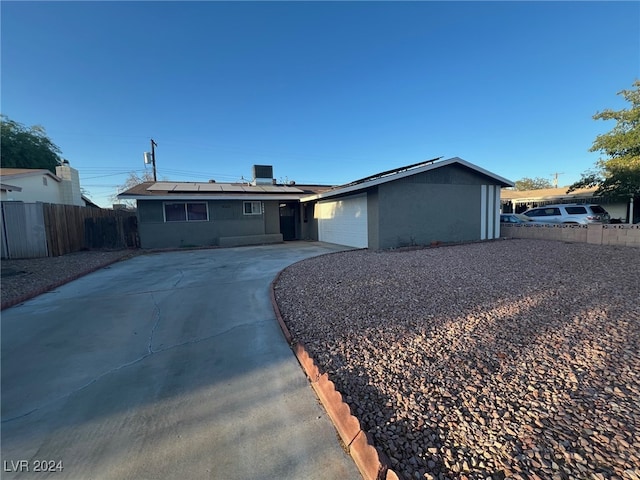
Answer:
x=132 y=180
x=619 y=174
x=537 y=183
x=27 y=147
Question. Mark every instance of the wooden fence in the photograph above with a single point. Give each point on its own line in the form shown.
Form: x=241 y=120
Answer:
x=22 y=229
x=53 y=230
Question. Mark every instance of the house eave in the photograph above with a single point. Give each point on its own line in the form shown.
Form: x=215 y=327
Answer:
x=36 y=172
x=10 y=188
x=407 y=173
x=210 y=197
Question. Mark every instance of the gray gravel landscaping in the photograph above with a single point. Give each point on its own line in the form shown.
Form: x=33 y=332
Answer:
x=505 y=359
x=23 y=278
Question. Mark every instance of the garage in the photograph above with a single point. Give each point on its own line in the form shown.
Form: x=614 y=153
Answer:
x=343 y=221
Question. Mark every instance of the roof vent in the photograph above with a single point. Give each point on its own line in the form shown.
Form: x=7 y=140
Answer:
x=212 y=181
x=262 y=174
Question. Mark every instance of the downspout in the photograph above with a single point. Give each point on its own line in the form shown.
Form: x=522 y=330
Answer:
x=630 y=218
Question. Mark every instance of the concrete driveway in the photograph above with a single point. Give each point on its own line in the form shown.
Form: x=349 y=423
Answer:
x=164 y=366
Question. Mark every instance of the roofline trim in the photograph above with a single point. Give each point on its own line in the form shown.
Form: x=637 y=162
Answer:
x=36 y=171
x=291 y=196
x=407 y=173
x=10 y=188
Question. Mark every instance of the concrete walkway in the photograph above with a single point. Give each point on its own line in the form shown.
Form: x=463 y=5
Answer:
x=164 y=366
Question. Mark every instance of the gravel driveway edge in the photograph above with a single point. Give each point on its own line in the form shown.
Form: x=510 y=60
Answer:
x=53 y=285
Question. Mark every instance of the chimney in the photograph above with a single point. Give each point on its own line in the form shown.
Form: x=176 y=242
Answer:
x=70 y=185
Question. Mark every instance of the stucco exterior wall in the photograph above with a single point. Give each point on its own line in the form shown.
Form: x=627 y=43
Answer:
x=70 y=191
x=419 y=214
x=34 y=190
x=448 y=175
x=309 y=229
x=226 y=219
x=271 y=217
x=441 y=205
x=373 y=218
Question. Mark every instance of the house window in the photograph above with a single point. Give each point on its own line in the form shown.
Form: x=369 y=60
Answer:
x=186 y=212
x=252 y=208
x=44 y=181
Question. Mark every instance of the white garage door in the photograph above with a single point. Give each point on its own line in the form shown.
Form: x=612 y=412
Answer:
x=343 y=221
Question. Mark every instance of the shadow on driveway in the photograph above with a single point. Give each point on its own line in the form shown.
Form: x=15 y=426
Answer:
x=167 y=365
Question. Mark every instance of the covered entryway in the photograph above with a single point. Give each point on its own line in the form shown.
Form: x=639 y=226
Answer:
x=288 y=220
x=344 y=221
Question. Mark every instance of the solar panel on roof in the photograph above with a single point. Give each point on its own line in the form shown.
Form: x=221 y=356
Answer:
x=280 y=189
x=232 y=188
x=210 y=187
x=161 y=186
x=186 y=187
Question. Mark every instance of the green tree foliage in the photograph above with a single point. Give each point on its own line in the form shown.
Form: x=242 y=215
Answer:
x=26 y=147
x=618 y=174
x=537 y=183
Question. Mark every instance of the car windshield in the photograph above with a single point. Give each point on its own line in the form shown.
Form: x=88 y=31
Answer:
x=598 y=209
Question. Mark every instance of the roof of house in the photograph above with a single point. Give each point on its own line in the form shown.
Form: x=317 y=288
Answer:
x=26 y=172
x=218 y=191
x=88 y=202
x=546 y=194
x=402 y=172
x=5 y=187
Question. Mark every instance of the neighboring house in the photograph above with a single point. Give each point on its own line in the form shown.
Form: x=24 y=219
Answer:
x=446 y=201
x=31 y=185
x=517 y=201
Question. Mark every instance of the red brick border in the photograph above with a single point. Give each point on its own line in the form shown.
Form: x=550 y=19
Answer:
x=366 y=457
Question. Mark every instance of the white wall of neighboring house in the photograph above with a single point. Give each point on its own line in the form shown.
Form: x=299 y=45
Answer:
x=39 y=187
x=43 y=186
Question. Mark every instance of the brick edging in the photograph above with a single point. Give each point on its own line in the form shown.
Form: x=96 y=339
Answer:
x=357 y=441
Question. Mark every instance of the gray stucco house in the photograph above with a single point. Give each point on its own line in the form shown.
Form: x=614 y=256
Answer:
x=436 y=201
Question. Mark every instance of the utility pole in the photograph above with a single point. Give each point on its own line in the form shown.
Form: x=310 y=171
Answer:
x=555 y=178
x=153 y=159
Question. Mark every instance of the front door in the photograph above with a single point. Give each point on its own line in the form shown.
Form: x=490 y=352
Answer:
x=288 y=215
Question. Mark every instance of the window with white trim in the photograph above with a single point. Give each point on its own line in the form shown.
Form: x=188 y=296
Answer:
x=186 y=212
x=252 y=208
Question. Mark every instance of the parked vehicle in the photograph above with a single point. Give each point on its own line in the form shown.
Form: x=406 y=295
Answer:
x=514 y=218
x=569 y=213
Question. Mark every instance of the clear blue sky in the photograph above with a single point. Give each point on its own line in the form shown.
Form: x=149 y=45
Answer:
x=326 y=92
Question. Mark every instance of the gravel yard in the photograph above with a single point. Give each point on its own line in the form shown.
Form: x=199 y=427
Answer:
x=22 y=278
x=506 y=359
